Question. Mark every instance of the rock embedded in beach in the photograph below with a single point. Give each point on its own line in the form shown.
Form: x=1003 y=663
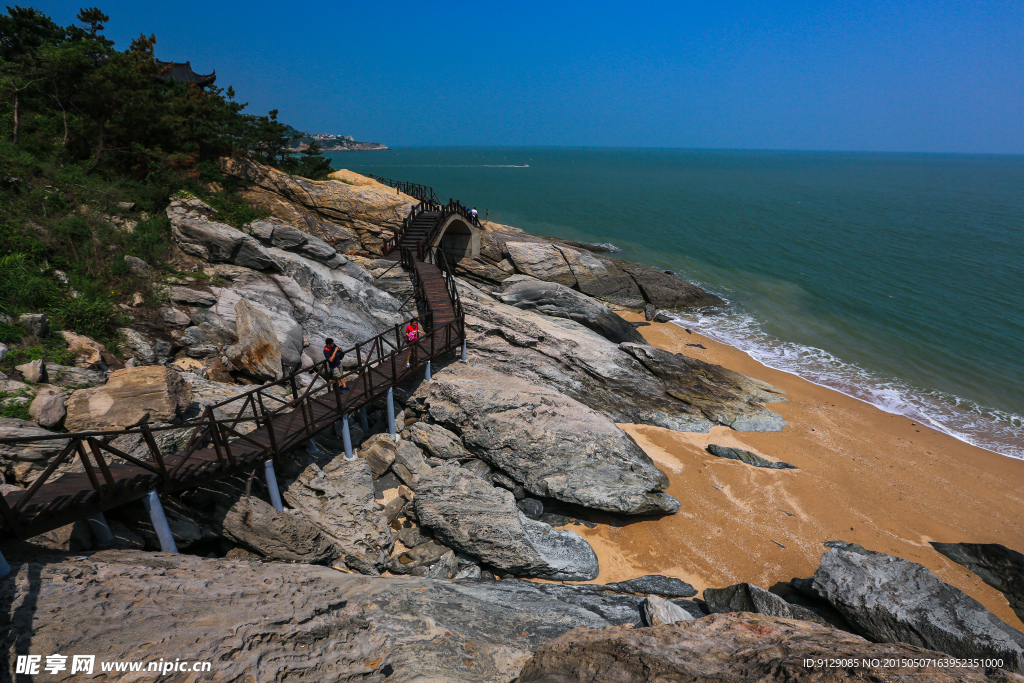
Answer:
x=722 y=395
x=732 y=647
x=558 y=300
x=889 y=599
x=554 y=446
x=470 y=515
x=656 y=584
x=747 y=457
x=657 y=611
x=997 y=565
x=746 y=597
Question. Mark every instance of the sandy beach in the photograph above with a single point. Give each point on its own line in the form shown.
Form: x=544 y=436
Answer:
x=864 y=476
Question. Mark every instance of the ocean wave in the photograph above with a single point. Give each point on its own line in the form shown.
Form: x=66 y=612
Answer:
x=605 y=245
x=994 y=430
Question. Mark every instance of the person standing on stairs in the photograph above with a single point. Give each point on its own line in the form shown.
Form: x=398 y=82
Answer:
x=334 y=355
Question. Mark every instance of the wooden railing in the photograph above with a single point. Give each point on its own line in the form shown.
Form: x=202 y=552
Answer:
x=421 y=192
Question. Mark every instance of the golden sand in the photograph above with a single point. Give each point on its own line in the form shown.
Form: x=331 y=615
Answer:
x=865 y=476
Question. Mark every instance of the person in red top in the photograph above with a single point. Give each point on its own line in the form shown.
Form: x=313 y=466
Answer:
x=413 y=331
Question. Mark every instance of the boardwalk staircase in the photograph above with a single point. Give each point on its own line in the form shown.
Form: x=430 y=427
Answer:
x=252 y=429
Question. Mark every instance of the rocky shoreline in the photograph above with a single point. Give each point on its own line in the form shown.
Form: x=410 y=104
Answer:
x=408 y=563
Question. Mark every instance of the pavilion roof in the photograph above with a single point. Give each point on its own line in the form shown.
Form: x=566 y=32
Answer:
x=181 y=72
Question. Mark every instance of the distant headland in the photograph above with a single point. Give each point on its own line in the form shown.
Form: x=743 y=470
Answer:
x=328 y=142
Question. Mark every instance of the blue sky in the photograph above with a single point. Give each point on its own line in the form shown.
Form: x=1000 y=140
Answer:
x=928 y=76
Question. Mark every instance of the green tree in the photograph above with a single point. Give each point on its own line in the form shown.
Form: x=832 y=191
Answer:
x=312 y=163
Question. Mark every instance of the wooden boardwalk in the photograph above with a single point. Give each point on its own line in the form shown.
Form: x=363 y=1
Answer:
x=264 y=425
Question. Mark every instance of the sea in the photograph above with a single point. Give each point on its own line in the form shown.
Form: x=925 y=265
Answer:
x=897 y=279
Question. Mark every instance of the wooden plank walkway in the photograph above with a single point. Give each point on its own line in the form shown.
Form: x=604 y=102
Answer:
x=58 y=500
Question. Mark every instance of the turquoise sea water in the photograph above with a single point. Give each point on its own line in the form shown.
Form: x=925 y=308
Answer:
x=894 y=278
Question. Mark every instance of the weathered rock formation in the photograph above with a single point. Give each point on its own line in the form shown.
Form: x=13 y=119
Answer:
x=131 y=395
x=746 y=597
x=734 y=647
x=997 y=565
x=890 y=599
x=554 y=446
x=470 y=515
x=747 y=457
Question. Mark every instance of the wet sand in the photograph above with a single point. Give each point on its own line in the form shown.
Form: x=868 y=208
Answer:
x=865 y=476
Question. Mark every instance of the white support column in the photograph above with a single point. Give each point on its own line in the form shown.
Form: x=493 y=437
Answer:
x=363 y=422
x=311 y=447
x=5 y=568
x=428 y=371
x=391 y=414
x=159 y=520
x=271 y=477
x=346 y=438
x=464 y=359
x=100 y=529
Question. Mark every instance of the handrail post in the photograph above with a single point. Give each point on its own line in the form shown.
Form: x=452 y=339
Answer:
x=346 y=438
x=100 y=529
x=391 y=414
x=271 y=478
x=159 y=521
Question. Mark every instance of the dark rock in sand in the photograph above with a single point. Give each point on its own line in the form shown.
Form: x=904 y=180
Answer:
x=746 y=597
x=732 y=647
x=747 y=457
x=889 y=599
x=665 y=586
x=531 y=507
x=997 y=565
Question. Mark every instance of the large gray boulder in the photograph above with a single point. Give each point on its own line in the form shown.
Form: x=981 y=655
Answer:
x=339 y=501
x=131 y=395
x=286 y=237
x=214 y=242
x=258 y=351
x=438 y=441
x=997 y=565
x=47 y=408
x=296 y=622
x=658 y=611
x=554 y=446
x=575 y=361
x=286 y=535
x=737 y=647
x=889 y=599
x=746 y=597
x=470 y=515
x=558 y=300
x=22 y=463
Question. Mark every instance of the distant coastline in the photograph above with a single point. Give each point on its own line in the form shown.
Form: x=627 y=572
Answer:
x=338 y=143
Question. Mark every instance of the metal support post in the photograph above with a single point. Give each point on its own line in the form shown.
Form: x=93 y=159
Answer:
x=363 y=422
x=271 y=477
x=428 y=370
x=346 y=438
x=159 y=521
x=311 y=447
x=100 y=529
x=464 y=359
x=391 y=414
x=5 y=568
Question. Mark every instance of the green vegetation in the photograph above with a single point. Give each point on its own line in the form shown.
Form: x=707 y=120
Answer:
x=93 y=143
x=16 y=409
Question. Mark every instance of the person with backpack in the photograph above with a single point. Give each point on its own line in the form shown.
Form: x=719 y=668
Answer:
x=334 y=355
x=413 y=331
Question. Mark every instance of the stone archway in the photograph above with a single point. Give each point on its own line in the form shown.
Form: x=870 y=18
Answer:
x=458 y=239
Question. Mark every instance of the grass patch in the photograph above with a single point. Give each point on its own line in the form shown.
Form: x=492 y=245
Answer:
x=15 y=409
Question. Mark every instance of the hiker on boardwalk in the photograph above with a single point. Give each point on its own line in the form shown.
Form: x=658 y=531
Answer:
x=472 y=212
x=413 y=331
x=334 y=355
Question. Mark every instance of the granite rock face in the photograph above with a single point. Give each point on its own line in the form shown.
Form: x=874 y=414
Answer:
x=339 y=501
x=554 y=446
x=438 y=441
x=47 y=409
x=258 y=352
x=277 y=535
x=129 y=396
x=470 y=515
x=730 y=647
x=655 y=584
x=22 y=463
x=291 y=622
x=889 y=599
x=560 y=301
x=215 y=242
x=746 y=597
x=997 y=565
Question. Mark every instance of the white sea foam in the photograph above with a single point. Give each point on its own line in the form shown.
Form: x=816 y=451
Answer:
x=994 y=430
x=605 y=245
